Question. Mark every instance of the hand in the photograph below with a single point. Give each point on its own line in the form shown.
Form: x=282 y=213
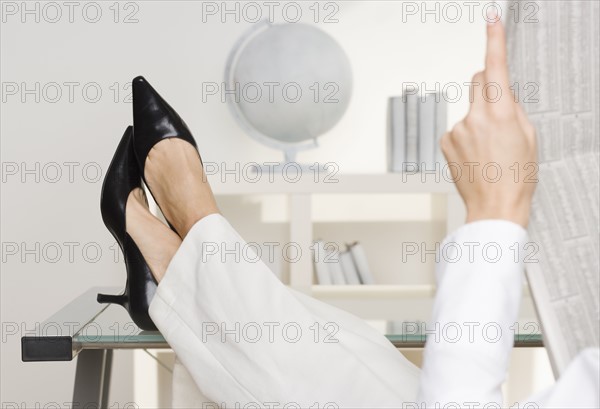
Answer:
x=492 y=152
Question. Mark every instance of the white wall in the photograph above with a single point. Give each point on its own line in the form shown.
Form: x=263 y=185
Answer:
x=176 y=51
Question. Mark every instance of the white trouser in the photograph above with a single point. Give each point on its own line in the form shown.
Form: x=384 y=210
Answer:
x=244 y=339
x=309 y=353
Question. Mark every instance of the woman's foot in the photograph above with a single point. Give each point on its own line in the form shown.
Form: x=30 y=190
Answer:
x=157 y=243
x=169 y=160
x=121 y=216
x=176 y=178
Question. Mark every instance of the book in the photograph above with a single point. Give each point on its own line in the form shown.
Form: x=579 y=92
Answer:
x=335 y=268
x=427 y=131
x=412 y=133
x=321 y=267
x=396 y=134
x=360 y=261
x=348 y=268
x=441 y=126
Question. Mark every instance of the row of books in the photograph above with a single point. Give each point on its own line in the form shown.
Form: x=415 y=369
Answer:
x=416 y=124
x=335 y=267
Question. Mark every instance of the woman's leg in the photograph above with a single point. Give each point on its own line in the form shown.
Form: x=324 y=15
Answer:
x=246 y=338
x=185 y=392
x=157 y=242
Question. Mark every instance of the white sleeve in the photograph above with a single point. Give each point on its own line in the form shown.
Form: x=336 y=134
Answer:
x=470 y=337
x=577 y=387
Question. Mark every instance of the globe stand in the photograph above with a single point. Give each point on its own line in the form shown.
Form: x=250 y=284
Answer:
x=290 y=167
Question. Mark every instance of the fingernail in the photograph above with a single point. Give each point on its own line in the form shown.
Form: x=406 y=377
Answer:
x=492 y=16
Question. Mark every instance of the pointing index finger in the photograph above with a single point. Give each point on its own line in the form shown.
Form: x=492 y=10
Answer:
x=496 y=69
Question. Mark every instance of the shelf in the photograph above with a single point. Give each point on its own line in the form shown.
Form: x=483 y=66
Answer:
x=391 y=183
x=372 y=291
x=379 y=291
x=304 y=202
x=412 y=303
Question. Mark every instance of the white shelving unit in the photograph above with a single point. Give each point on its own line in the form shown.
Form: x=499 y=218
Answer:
x=367 y=292
x=300 y=193
x=341 y=183
x=383 y=301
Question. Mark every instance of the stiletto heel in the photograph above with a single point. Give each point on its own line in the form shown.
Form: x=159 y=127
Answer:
x=153 y=121
x=122 y=177
x=112 y=299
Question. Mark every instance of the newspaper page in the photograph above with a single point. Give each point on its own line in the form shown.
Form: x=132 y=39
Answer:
x=553 y=49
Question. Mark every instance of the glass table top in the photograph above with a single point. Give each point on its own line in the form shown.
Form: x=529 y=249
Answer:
x=85 y=324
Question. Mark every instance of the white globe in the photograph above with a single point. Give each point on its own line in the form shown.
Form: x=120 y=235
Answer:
x=295 y=83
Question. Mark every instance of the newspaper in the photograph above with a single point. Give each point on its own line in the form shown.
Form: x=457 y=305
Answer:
x=553 y=51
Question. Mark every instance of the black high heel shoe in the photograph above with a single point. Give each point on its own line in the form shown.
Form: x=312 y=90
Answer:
x=154 y=120
x=122 y=177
